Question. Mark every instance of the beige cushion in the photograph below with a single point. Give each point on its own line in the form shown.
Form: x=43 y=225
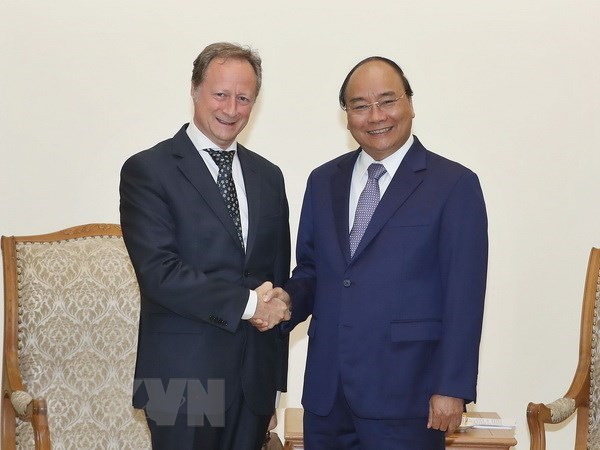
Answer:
x=78 y=323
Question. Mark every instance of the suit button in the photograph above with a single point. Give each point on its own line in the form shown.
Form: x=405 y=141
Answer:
x=247 y=273
x=347 y=283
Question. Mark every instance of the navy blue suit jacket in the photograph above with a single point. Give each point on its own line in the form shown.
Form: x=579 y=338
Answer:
x=402 y=319
x=194 y=277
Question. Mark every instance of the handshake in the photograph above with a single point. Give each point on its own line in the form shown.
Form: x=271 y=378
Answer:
x=273 y=306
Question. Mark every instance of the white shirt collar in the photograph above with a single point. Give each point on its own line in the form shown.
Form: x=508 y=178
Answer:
x=200 y=140
x=391 y=163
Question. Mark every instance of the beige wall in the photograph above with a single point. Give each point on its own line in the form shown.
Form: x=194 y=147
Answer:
x=509 y=88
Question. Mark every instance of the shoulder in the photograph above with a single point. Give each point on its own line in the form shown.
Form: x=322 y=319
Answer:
x=335 y=164
x=259 y=161
x=153 y=153
x=439 y=172
x=158 y=155
x=255 y=157
x=148 y=163
x=438 y=166
x=439 y=162
x=451 y=177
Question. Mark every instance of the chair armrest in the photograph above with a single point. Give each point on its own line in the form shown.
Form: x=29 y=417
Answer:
x=539 y=414
x=28 y=409
x=561 y=409
x=22 y=402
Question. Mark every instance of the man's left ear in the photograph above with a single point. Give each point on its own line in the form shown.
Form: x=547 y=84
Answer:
x=194 y=92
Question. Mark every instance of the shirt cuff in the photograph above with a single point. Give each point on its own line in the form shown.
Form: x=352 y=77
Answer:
x=250 y=306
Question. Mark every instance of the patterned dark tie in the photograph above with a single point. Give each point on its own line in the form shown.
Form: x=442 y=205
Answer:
x=224 y=160
x=367 y=202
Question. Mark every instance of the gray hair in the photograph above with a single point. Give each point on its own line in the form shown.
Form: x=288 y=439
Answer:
x=225 y=50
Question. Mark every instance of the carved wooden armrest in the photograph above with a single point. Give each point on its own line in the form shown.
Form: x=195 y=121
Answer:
x=539 y=414
x=557 y=411
x=29 y=409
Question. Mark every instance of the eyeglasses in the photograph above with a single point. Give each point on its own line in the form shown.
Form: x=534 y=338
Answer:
x=365 y=108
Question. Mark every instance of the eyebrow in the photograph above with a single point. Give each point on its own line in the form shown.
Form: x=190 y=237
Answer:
x=362 y=99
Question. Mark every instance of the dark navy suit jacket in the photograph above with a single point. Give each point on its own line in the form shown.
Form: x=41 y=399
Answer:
x=402 y=319
x=194 y=276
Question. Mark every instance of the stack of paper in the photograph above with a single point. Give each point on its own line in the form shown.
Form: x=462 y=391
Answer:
x=484 y=422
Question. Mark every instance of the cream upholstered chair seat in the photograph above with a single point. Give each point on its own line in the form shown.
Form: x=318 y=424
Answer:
x=583 y=396
x=71 y=321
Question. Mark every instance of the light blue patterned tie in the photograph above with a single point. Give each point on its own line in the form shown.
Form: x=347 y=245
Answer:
x=224 y=160
x=367 y=202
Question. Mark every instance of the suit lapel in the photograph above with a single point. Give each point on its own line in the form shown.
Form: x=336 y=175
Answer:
x=406 y=180
x=251 y=173
x=193 y=168
x=340 y=196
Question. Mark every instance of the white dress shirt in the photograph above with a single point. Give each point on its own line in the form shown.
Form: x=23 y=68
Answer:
x=201 y=142
x=360 y=175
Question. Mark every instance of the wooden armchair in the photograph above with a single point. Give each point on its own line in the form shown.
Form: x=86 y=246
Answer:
x=70 y=333
x=583 y=396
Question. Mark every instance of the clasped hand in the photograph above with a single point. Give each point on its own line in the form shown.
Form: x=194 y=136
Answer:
x=272 y=307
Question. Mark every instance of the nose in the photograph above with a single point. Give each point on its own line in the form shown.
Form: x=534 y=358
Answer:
x=376 y=114
x=230 y=106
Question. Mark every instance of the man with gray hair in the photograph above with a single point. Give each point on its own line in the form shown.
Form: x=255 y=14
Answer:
x=205 y=221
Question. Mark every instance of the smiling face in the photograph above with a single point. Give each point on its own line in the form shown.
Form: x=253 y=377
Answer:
x=380 y=131
x=224 y=99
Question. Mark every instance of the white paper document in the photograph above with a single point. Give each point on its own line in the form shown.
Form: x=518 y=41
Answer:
x=484 y=422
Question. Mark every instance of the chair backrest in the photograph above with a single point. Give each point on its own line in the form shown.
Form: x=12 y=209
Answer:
x=585 y=387
x=71 y=322
x=591 y=323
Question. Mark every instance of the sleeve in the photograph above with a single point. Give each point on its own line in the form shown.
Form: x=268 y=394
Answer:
x=250 y=306
x=281 y=275
x=301 y=286
x=463 y=261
